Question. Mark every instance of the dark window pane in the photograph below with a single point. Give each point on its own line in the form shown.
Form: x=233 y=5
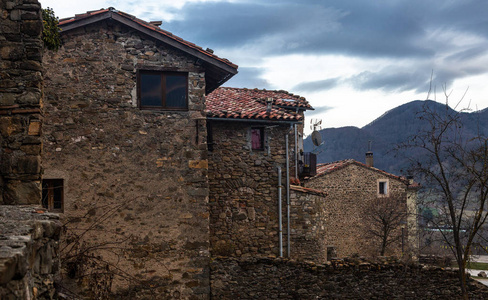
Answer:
x=257 y=138
x=52 y=194
x=45 y=195
x=151 y=90
x=176 y=91
x=58 y=194
x=382 y=188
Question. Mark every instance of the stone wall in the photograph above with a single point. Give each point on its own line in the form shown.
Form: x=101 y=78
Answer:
x=29 y=257
x=20 y=98
x=308 y=224
x=244 y=217
x=350 y=190
x=135 y=181
x=244 y=190
x=255 y=278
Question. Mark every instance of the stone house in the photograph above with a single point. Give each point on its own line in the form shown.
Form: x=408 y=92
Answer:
x=125 y=155
x=352 y=188
x=248 y=133
x=154 y=167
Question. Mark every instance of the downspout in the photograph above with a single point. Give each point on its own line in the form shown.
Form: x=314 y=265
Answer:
x=280 y=233
x=287 y=196
x=296 y=151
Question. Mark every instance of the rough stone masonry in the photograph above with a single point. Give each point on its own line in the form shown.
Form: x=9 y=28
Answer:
x=20 y=102
x=137 y=178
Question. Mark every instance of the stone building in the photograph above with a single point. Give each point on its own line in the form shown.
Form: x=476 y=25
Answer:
x=248 y=130
x=125 y=155
x=154 y=167
x=352 y=188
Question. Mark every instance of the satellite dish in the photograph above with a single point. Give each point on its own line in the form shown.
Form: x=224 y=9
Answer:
x=316 y=138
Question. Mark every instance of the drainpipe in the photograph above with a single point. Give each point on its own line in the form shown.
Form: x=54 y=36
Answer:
x=296 y=151
x=287 y=196
x=280 y=233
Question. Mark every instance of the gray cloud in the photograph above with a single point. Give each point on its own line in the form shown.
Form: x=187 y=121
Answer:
x=363 y=28
x=415 y=77
x=317 y=86
x=471 y=53
x=390 y=80
x=248 y=78
x=397 y=30
x=318 y=110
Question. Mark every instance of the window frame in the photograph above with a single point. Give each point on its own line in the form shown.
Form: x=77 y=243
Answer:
x=386 y=187
x=52 y=183
x=263 y=139
x=163 y=75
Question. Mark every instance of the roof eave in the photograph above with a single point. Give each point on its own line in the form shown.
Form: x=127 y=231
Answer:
x=295 y=107
x=254 y=120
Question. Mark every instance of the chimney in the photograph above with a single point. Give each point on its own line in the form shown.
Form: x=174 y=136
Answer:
x=156 y=23
x=269 y=101
x=369 y=156
x=369 y=159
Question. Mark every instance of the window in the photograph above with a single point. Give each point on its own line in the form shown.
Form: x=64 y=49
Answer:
x=162 y=90
x=52 y=194
x=257 y=138
x=383 y=187
x=210 y=141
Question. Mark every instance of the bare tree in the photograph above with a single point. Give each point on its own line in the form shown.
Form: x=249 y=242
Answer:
x=452 y=163
x=384 y=220
x=97 y=263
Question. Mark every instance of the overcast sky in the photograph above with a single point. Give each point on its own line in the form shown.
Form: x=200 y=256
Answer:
x=353 y=60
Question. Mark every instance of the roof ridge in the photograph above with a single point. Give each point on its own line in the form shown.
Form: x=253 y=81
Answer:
x=349 y=161
x=262 y=90
x=335 y=162
x=308 y=190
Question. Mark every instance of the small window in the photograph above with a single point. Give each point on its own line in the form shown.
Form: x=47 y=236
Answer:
x=53 y=194
x=163 y=90
x=210 y=141
x=257 y=138
x=383 y=187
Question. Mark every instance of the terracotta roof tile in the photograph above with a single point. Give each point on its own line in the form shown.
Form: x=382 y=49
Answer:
x=327 y=168
x=238 y=103
x=147 y=25
x=307 y=190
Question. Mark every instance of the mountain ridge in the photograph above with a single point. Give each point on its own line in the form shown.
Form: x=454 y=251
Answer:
x=391 y=128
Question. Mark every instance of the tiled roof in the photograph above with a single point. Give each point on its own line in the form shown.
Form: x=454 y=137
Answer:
x=238 y=103
x=327 y=168
x=307 y=190
x=147 y=25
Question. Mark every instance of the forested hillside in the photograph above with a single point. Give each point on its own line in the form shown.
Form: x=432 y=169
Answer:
x=392 y=128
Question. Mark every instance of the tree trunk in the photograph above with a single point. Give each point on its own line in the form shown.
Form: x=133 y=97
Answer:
x=462 y=279
x=383 y=244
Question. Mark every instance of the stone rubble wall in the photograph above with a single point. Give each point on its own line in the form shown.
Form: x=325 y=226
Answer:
x=244 y=197
x=20 y=101
x=262 y=278
x=350 y=190
x=136 y=178
x=244 y=190
x=307 y=215
x=29 y=258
